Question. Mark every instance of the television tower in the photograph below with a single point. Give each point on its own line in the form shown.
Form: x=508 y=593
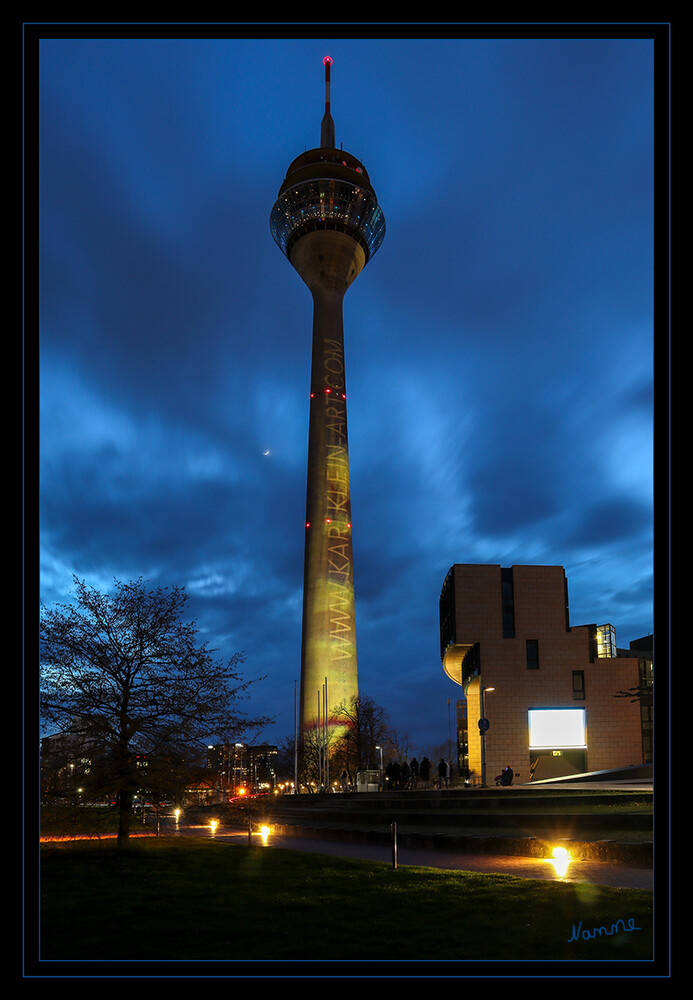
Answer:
x=328 y=223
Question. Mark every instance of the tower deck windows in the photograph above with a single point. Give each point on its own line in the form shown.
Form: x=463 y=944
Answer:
x=327 y=203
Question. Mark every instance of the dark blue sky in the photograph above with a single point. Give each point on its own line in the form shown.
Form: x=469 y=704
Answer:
x=499 y=345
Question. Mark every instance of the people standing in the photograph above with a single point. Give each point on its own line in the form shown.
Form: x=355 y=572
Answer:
x=414 y=768
x=425 y=771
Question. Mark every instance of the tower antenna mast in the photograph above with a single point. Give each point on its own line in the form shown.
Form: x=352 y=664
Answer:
x=327 y=139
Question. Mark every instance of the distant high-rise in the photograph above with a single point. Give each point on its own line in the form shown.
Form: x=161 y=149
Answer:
x=328 y=223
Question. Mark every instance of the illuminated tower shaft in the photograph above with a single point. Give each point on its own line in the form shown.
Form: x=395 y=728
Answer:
x=328 y=223
x=325 y=260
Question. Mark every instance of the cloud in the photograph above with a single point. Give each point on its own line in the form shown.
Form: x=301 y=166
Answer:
x=498 y=347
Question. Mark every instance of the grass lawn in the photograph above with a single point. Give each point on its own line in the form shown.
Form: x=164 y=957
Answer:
x=167 y=899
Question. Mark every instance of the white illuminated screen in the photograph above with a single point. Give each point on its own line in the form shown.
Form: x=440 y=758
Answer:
x=556 y=728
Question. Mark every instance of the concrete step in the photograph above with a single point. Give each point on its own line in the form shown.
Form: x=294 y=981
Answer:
x=469 y=819
x=509 y=799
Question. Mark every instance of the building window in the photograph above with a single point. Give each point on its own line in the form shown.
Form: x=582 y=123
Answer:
x=606 y=641
x=578 y=685
x=471 y=664
x=447 y=613
x=556 y=728
x=646 y=675
x=532 y=654
x=508 y=603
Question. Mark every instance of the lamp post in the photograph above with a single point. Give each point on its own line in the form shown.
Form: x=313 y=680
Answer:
x=483 y=726
x=449 y=744
x=378 y=747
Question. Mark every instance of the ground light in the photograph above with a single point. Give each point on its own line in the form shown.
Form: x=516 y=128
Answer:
x=213 y=825
x=560 y=860
x=264 y=832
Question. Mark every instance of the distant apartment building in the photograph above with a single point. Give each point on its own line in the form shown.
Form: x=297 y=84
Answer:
x=541 y=696
x=238 y=766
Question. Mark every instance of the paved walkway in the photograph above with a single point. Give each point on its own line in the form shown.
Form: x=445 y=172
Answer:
x=596 y=872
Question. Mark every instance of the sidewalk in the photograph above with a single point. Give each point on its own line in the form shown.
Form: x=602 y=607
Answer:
x=596 y=872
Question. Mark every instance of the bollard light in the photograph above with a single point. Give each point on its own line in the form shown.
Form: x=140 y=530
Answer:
x=560 y=860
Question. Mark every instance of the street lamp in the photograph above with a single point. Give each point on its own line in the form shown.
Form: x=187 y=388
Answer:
x=378 y=747
x=483 y=726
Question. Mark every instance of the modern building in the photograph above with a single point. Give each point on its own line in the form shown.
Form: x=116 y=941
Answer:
x=328 y=223
x=65 y=766
x=541 y=696
x=643 y=648
x=242 y=766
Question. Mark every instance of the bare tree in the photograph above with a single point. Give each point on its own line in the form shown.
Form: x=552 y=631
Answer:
x=366 y=726
x=308 y=762
x=124 y=676
x=399 y=746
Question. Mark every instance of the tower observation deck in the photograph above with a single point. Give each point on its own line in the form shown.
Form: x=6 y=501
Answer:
x=328 y=223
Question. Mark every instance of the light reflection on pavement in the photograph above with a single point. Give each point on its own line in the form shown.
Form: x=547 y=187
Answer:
x=596 y=872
